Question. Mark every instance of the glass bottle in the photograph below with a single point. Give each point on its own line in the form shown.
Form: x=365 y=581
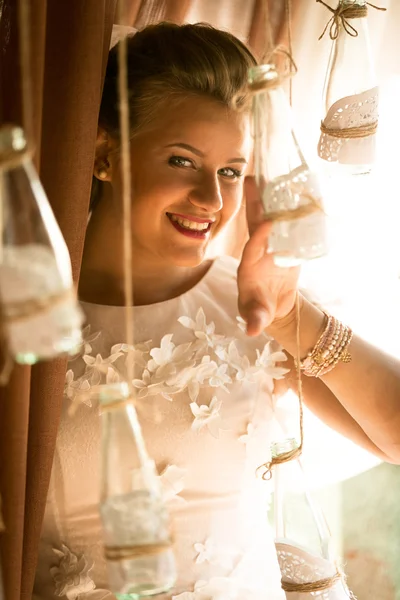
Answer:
x=350 y=97
x=302 y=538
x=287 y=186
x=39 y=311
x=137 y=536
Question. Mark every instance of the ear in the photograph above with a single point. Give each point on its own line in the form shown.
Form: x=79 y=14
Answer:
x=102 y=165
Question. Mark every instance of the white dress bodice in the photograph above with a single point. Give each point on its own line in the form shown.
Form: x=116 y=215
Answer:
x=207 y=414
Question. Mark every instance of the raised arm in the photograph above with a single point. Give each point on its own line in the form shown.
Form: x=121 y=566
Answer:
x=361 y=398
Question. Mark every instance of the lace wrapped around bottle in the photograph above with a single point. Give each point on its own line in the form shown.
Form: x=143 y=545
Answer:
x=348 y=132
x=294 y=202
x=37 y=312
x=305 y=576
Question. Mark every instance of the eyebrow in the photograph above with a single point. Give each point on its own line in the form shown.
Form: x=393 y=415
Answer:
x=201 y=155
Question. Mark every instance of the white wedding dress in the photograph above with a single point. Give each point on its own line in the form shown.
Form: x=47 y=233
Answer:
x=190 y=351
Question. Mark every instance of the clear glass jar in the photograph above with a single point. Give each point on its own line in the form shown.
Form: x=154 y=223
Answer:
x=286 y=184
x=40 y=313
x=136 y=526
x=350 y=99
x=302 y=538
x=297 y=518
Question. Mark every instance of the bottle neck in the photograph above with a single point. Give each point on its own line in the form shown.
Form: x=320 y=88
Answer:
x=352 y=3
x=284 y=446
x=263 y=77
x=351 y=12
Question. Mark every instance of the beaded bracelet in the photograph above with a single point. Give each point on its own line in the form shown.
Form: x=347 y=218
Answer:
x=330 y=349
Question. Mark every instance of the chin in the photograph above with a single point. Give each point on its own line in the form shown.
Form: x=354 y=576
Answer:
x=187 y=259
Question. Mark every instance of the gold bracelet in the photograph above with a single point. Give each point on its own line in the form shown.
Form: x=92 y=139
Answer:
x=330 y=349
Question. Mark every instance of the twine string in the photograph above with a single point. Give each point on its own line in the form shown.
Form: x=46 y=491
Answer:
x=120 y=553
x=350 y=132
x=285 y=457
x=312 y=586
x=341 y=16
x=126 y=189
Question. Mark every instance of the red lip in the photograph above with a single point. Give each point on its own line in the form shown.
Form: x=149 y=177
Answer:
x=197 y=235
x=192 y=218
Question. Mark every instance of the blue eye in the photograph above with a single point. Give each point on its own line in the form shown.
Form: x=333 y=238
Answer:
x=230 y=173
x=179 y=161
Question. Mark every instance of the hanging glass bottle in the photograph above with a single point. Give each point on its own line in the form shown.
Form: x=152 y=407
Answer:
x=39 y=312
x=135 y=521
x=350 y=96
x=290 y=192
x=303 y=541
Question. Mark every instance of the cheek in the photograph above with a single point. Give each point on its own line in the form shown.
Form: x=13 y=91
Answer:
x=232 y=201
x=161 y=187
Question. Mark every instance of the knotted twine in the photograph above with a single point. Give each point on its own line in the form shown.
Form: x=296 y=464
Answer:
x=341 y=16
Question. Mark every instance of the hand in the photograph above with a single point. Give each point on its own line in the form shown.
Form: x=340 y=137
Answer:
x=267 y=293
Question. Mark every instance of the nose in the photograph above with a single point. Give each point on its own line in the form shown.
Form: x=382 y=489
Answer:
x=206 y=194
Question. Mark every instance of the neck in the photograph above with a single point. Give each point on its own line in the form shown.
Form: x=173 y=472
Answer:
x=102 y=273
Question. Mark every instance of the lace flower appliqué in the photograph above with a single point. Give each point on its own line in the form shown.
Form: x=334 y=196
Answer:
x=207 y=416
x=172 y=482
x=71 y=576
x=211 y=553
x=217 y=588
x=205 y=359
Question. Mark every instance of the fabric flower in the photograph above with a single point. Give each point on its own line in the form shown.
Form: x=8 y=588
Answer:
x=168 y=353
x=149 y=386
x=143 y=347
x=241 y=323
x=240 y=365
x=71 y=576
x=112 y=376
x=99 y=363
x=79 y=388
x=172 y=482
x=266 y=361
x=246 y=437
x=217 y=588
x=201 y=375
x=207 y=416
x=203 y=331
x=135 y=356
x=209 y=552
x=86 y=346
x=220 y=378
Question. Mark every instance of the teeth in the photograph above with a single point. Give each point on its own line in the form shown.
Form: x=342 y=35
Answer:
x=190 y=224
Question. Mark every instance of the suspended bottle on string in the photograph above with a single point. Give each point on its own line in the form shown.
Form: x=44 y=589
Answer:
x=136 y=526
x=290 y=191
x=350 y=100
x=39 y=312
x=302 y=538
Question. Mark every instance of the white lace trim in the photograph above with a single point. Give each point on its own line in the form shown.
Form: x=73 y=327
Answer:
x=71 y=576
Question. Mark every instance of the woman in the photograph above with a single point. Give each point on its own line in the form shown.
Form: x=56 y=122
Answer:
x=190 y=152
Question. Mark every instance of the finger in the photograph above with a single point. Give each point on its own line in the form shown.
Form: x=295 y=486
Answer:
x=254 y=207
x=257 y=245
x=257 y=318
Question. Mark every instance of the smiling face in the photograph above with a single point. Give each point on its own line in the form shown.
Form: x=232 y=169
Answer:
x=188 y=170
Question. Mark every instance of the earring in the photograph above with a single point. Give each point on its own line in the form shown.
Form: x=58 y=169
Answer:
x=102 y=173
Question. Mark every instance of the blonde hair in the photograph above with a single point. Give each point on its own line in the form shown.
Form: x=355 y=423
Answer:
x=167 y=60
